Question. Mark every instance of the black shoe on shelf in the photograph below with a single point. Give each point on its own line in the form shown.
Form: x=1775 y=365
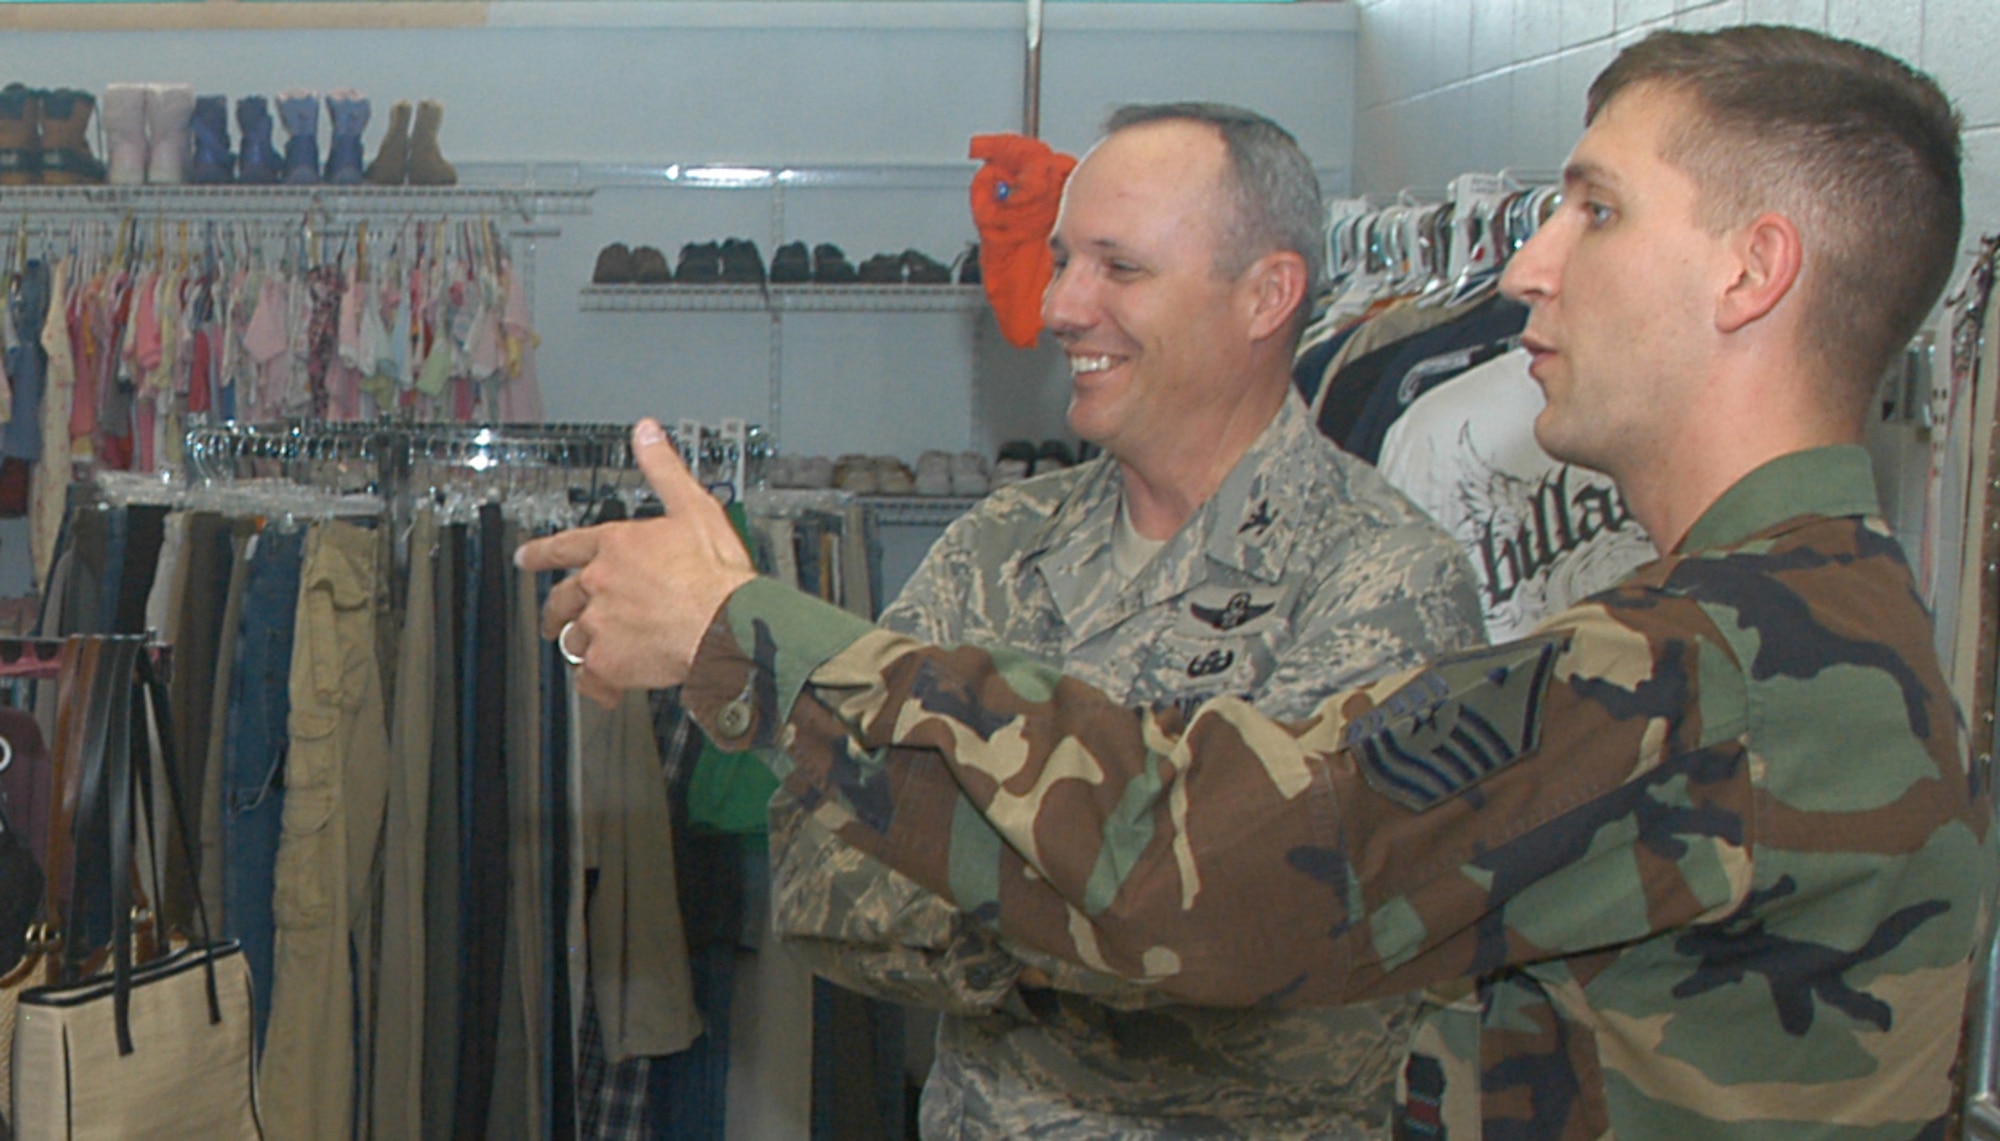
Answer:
x=791 y=264
x=700 y=264
x=614 y=266
x=742 y=264
x=921 y=269
x=968 y=265
x=649 y=267
x=830 y=265
x=882 y=269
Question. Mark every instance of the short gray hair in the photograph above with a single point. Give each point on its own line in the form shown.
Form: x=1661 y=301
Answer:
x=1272 y=184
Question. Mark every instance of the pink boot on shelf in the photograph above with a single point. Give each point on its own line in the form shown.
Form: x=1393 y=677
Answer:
x=168 y=109
x=123 y=114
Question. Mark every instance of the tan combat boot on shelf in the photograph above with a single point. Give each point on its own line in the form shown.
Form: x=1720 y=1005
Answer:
x=427 y=164
x=392 y=161
x=20 y=136
x=66 y=157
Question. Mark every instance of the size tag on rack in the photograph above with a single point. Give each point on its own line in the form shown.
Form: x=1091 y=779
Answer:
x=687 y=437
x=1473 y=260
x=735 y=455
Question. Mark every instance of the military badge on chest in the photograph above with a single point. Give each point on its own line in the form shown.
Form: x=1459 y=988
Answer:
x=1220 y=628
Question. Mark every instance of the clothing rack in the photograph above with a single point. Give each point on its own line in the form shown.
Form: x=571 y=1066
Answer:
x=328 y=203
x=1447 y=249
x=729 y=456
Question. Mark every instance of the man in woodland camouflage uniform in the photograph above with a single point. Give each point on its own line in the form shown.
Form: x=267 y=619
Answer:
x=1705 y=851
x=1280 y=569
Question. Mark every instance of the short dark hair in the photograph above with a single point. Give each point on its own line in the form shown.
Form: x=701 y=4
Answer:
x=1272 y=184
x=1857 y=148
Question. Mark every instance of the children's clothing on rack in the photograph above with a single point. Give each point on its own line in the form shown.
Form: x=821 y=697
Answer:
x=120 y=335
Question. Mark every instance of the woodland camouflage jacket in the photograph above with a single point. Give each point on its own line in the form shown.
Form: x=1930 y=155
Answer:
x=1705 y=850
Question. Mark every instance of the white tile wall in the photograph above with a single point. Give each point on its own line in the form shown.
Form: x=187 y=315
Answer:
x=1492 y=35
x=1586 y=21
x=1535 y=58
x=1707 y=17
x=1895 y=26
x=1537 y=27
x=1804 y=13
x=1959 y=38
x=1632 y=13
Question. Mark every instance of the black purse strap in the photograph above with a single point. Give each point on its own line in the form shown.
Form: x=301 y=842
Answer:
x=118 y=728
x=102 y=685
x=162 y=736
x=121 y=656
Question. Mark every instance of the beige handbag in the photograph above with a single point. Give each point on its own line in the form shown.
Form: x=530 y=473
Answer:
x=162 y=1049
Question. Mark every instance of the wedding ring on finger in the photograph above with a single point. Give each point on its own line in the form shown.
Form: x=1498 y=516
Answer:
x=562 y=644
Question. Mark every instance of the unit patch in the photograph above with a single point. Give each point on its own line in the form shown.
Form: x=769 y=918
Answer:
x=1466 y=717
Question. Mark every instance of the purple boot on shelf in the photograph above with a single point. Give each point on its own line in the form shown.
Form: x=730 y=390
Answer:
x=348 y=112
x=257 y=162
x=299 y=112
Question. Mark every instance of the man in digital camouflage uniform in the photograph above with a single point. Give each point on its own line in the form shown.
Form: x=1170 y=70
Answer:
x=1705 y=852
x=1221 y=546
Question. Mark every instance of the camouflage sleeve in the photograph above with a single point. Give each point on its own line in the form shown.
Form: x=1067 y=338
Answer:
x=857 y=922
x=1574 y=790
x=1397 y=597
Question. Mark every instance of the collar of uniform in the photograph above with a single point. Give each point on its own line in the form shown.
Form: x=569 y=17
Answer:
x=1832 y=481
x=1081 y=522
x=1249 y=519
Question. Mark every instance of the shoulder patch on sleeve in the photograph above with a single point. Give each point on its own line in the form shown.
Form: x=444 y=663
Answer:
x=1463 y=719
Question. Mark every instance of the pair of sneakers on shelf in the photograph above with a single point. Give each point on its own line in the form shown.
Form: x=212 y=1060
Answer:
x=948 y=473
x=1020 y=459
x=733 y=261
x=827 y=264
x=856 y=473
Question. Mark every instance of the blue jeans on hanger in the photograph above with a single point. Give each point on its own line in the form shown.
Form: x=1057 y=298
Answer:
x=27 y=364
x=253 y=754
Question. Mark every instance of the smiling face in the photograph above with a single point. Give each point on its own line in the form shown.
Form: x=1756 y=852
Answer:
x=1156 y=338
x=1622 y=281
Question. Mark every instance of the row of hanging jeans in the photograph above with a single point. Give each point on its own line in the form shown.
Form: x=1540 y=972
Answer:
x=430 y=850
x=118 y=336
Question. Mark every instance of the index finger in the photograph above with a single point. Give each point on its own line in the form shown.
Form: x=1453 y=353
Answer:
x=563 y=550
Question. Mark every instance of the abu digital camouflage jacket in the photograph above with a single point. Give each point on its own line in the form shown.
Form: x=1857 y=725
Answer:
x=1304 y=573
x=1705 y=852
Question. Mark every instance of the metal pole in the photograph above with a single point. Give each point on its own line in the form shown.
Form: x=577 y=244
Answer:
x=1031 y=105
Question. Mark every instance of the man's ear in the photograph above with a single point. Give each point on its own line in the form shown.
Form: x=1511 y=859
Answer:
x=1276 y=288
x=1769 y=256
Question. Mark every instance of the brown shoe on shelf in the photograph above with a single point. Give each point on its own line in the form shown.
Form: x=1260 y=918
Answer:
x=649 y=266
x=20 y=135
x=392 y=161
x=66 y=157
x=427 y=164
x=614 y=266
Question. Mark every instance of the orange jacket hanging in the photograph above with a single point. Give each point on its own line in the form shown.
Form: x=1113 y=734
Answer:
x=1014 y=201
